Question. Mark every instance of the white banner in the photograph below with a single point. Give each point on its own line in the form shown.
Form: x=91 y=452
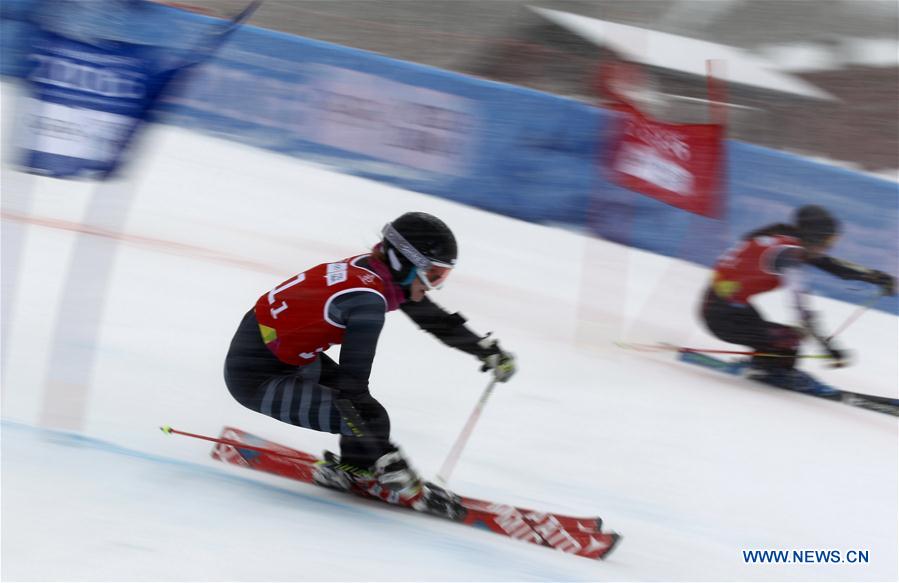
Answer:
x=405 y=124
x=76 y=132
x=644 y=162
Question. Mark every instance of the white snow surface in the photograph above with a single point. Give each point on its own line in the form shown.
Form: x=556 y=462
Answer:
x=692 y=467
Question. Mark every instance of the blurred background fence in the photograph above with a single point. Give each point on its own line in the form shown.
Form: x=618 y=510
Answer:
x=503 y=147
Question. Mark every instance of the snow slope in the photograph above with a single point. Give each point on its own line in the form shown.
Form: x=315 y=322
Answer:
x=690 y=466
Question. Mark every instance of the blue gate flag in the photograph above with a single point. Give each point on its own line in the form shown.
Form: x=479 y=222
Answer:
x=88 y=97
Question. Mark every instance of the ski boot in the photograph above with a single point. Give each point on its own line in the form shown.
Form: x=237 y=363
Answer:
x=404 y=486
x=394 y=480
x=441 y=502
x=330 y=472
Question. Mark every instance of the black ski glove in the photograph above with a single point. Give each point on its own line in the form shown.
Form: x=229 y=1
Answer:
x=499 y=361
x=885 y=281
x=840 y=358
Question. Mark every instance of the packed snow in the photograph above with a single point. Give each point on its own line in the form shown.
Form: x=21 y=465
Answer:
x=691 y=466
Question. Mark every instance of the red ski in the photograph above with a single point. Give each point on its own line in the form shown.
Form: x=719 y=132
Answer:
x=578 y=536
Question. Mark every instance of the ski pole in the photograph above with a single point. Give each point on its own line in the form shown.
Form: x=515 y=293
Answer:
x=453 y=457
x=855 y=315
x=169 y=430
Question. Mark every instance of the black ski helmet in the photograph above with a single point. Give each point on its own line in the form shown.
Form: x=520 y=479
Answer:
x=415 y=242
x=815 y=224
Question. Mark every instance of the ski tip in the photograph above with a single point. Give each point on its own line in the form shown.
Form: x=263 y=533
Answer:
x=167 y=429
x=615 y=539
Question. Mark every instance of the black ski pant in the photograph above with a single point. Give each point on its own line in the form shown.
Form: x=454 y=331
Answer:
x=303 y=396
x=743 y=324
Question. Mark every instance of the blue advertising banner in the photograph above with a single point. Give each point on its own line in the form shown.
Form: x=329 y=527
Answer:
x=85 y=103
x=502 y=148
x=90 y=92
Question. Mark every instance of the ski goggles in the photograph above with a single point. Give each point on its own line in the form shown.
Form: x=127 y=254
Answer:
x=434 y=276
x=431 y=273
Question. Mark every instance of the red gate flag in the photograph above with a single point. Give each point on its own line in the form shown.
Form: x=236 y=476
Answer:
x=678 y=164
